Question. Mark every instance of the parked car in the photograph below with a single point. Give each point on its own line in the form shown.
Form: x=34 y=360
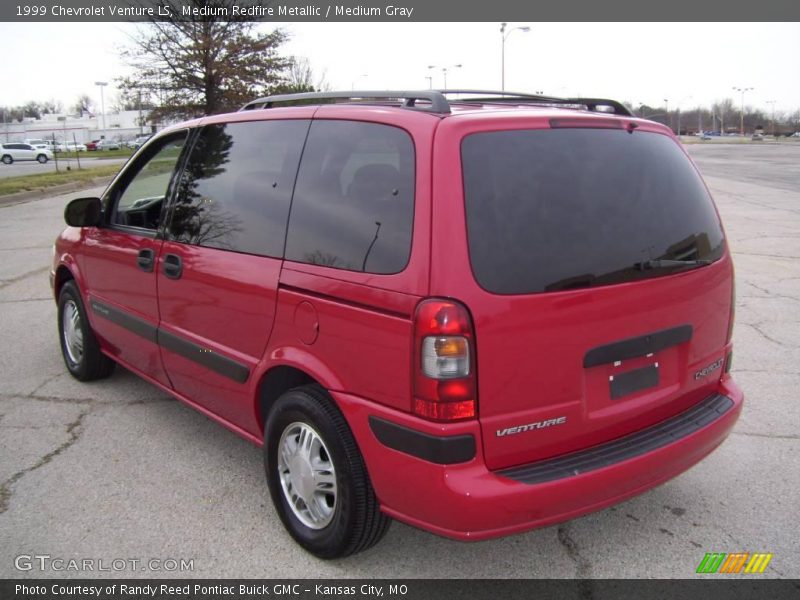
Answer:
x=474 y=321
x=107 y=145
x=91 y=146
x=138 y=141
x=19 y=151
x=75 y=147
x=38 y=143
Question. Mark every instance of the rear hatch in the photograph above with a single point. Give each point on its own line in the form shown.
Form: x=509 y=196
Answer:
x=603 y=284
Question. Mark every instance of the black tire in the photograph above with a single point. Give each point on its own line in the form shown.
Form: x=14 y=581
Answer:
x=356 y=522
x=90 y=363
x=7 y=159
x=42 y=158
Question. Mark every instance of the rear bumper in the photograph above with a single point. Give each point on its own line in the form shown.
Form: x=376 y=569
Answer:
x=466 y=501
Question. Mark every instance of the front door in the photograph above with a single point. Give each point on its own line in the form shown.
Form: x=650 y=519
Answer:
x=121 y=257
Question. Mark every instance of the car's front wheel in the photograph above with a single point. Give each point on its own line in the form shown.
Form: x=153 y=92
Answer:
x=42 y=158
x=317 y=477
x=79 y=346
x=7 y=160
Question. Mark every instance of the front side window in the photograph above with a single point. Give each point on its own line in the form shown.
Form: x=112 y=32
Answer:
x=235 y=191
x=353 y=205
x=141 y=199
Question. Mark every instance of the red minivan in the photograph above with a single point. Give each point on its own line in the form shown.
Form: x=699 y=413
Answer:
x=477 y=316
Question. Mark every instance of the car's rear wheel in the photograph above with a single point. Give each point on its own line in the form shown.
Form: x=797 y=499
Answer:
x=317 y=477
x=79 y=347
x=42 y=158
x=7 y=159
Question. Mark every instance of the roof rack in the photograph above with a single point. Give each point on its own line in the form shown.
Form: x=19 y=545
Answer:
x=434 y=101
x=522 y=98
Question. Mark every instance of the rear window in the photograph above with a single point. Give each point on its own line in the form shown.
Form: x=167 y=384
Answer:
x=558 y=209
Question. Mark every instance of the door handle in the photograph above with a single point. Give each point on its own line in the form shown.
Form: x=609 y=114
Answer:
x=173 y=266
x=145 y=260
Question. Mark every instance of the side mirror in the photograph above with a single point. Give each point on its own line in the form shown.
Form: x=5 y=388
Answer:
x=83 y=212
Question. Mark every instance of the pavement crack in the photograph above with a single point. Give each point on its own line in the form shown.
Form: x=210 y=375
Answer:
x=757 y=328
x=45 y=382
x=770 y=371
x=74 y=431
x=769 y=294
x=772 y=436
x=147 y=401
x=17 y=249
x=7 y=282
x=55 y=399
x=583 y=568
x=49 y=299
x=783 y=256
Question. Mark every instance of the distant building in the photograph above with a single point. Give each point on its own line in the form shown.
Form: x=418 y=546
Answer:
x=120 y=126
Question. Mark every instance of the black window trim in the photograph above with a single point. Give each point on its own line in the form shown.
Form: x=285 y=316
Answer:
x=121 y=178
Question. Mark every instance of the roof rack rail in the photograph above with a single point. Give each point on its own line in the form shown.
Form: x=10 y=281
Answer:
x=437 y=101
x=515 y=97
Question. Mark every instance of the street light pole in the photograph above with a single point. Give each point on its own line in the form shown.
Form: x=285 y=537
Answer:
x=666 y=111
x=741 y=115
x=444 y=71
x=101 y=85
x=772 y=102
x=504 y=37
x=355 y=81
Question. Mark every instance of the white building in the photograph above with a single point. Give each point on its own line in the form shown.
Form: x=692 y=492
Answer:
x=119 y=126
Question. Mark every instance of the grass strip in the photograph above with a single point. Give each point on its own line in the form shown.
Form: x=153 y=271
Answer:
x=22 y=183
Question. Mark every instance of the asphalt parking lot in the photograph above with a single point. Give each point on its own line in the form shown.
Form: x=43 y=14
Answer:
x=31 y=167
x=119 y=470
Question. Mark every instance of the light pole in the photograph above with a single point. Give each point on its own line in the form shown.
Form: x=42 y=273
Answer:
x=741 y=115
x=772 y=102
x=355 y=81
x=666 y=111
x=430 y=81
x=101 y=85
x=678 y=133
x=504 y=37
x=444 y=71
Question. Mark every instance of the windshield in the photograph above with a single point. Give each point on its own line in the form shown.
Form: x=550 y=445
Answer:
x=558 y=209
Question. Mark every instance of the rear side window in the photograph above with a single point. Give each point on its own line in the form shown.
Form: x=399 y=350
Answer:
x=558 y=209
x=235 y=190
x=353 y=205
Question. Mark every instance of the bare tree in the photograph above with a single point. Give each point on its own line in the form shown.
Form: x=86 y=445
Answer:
x=300 y=77
x=52 y=106
x=83 y=104
x=203 y=66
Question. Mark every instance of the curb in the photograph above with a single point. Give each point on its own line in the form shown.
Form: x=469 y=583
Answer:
x=54 y=190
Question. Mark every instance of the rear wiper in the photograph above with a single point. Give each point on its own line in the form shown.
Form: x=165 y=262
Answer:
x=660 y=263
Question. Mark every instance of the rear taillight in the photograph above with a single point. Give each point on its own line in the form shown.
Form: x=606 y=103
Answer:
x=444 y=362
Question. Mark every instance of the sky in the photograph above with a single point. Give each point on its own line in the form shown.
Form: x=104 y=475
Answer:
x=688 y=64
